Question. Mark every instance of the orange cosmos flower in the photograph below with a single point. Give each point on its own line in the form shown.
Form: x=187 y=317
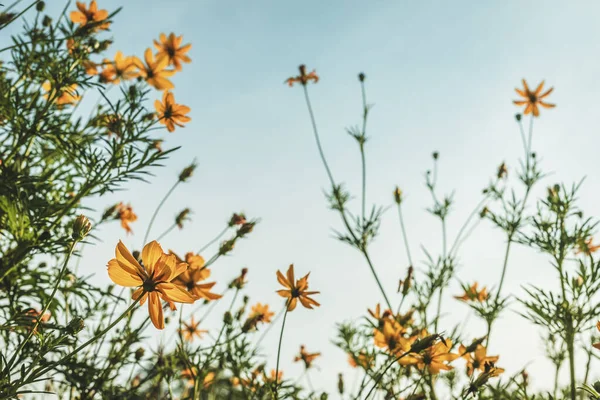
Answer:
x=477 y=359
x=34 y=315
x=381 y=318
x=261 y=313
x=533 y=99
x=154 y=71
x=306 y=357
x=90 y=67
x=153 y=281
x=121 y=68
x=296 y=290
x=271 y=377
x=170 y=113
x=191 y=330
x=363 y=359
x=471 y=293
x=587 y=247
x=65 y=96
x=126 y=215
x=391 y=338
x=86 y=15
x=303 y=78
x=190 y=278
x=170 y=47
x=435 y=358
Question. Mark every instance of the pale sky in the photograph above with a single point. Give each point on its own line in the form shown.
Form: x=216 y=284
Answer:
x=441 y=75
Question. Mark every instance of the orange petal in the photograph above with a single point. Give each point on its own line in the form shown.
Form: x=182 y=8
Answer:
x=155 y=310
x=122 y=277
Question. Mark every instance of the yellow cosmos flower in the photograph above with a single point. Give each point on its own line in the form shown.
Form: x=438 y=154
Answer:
x=191 y=329
x=296 y=290
x=261 y=313
x=587 y=247
x=390 y=337
x=533 y=99
x=170 y=113
x=477 y=359
x=363 y=360
x=121 y=68
x=154 y=71
x=190 y=279
x=303 y=78
x=306 y=357
x=85 y=15
x=66 y=95
x=171 y=48
x=126 y=215
x=435 y=358
x=153 y=281
x=473 y=294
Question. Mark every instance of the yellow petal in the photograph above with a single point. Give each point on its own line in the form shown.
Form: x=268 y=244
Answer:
x=151 y=254
x=122 y=277
x=155 y=310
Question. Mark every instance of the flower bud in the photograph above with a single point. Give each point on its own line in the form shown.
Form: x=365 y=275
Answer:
x=75 y=326
x=139 y=353
x=518 y=117
x=361 y=77
x=340 y=383
x=435 y=155
x=226 y=246
x=246 y=228
x=39 y=7
x=81 y=227
x=237 y=219
x=398 y=195
x=187 y=172
x=424 y=343
x=227 y=318
x=182 y=216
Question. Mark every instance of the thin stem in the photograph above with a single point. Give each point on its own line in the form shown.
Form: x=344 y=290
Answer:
x=260 y=339
x=158 y=209
x=457 y=240
x=41 y=315
x=362 y=146
x=166 y=232
x=93 y=339
x=502 y=276
x=316 y=133
x=383 y=373
x=404 y=236
x=332 y=181
x=444 y=258
x=219 y=236
x=279 y=352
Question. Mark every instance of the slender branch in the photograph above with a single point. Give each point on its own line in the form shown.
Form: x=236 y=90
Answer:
x=279 y=352
x=219 y=236
x=158 y=209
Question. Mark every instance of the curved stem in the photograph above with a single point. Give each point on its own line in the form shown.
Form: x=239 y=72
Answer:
x=316 y=134
x=165 y=233
x=404 y=236
x=219 y=236
x=45 y=309
x=384 y=371
x=92 y=340
x=158 y=209
x=279 y=352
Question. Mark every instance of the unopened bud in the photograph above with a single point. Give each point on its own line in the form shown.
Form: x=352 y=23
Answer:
x=398 y=195
x=226 y=246
x=340 y=383
x=187 y=172
x=518 y=117
x=39 y=7
x=182 y=216
x=75 y=326
x=424 y=343
x=237 y=219
x=139 y=353
x=246 y=228
x=46 y=21
x=435 y=155
x=361 y=77
x=227 y=318
x=81 y=227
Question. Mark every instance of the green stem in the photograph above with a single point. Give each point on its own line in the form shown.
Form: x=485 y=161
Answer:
x=332 y=182
x=219 y=236
x=36 y=374
x=502 y=276
x=260 y=339
x=384 y=371
x=404 y=236
x=279 y=352
x=45 y=309
x=158 y=209
x=165 y=233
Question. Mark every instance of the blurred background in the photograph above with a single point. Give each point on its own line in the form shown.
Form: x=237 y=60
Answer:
x=441 y=76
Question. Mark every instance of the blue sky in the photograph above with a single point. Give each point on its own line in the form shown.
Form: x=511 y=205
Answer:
x=442 y=77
